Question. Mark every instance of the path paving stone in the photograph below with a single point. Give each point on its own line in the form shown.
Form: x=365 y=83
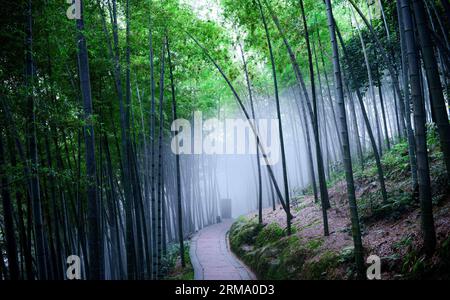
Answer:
x=212 y=258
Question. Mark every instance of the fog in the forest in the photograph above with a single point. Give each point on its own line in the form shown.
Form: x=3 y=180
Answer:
x=235 y=176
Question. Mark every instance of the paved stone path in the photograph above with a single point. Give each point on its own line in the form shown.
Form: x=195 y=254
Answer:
x=212 y=258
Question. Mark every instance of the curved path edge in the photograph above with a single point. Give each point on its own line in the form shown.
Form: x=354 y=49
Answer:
x=212 y=258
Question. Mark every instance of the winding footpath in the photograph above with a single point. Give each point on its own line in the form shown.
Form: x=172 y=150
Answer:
x=212 y=258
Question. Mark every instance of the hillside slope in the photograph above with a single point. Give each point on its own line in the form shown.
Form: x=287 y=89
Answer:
x=390 y=230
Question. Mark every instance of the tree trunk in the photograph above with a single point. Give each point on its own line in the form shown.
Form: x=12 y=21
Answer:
x=152 y=151
x=330 y=98
x=306 y=133
x=34 y=182
x=432 y=72
x=280 y=127
x=91 y=174
x=383 y=113
x=302 y=85
x=371 y=86
x=367 y=122
x=420 y=132
x=409 y=130
x=11 y=245
x=258 y=159
x=247 y=116
x=322 y=179
x=125 y=144
x=177 y=158
x=388 y=62
x=356 y=231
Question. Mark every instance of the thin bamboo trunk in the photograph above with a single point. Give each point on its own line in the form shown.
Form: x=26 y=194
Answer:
x=302 y=85
x=435 y=87
x=280 y=127
x=177 y=158
x=367 y=122
x=91 y=173
x=420 y=132
x=356 y=231
x=258 y=159
x=11 y=244
x=322 y=179
x=405 y=82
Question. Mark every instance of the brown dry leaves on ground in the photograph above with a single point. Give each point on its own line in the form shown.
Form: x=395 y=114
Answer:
x=380 y=237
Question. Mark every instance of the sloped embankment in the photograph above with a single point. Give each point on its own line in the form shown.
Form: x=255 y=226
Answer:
x=390 y=230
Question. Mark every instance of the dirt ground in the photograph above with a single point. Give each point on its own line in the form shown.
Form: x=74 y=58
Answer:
x=383 y=237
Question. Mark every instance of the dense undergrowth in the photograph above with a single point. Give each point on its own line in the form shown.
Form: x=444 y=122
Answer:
x=402 y=197
x=171 y=264
x=274 y=255
x=390 y=230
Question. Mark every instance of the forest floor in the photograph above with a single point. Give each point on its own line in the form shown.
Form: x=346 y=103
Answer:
x=389 y=230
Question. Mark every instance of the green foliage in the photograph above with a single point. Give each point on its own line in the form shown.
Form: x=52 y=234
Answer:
x=396 y=167
x=347 y=254
x=320 y=268
x=243 y=232
x=170 y=264
x=413 y=263
x=246 y=17
x=373 y=209
x=298 y=204
x=269 y=234
x=404 y=242
x=282 y=259
x=357 y=66
x=444 y=253
x=314 y=244
x=58 y=107
x=336 y=175
x=396 y=161
x=274 y=255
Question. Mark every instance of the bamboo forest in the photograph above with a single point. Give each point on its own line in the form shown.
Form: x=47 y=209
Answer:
x=224 y=140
